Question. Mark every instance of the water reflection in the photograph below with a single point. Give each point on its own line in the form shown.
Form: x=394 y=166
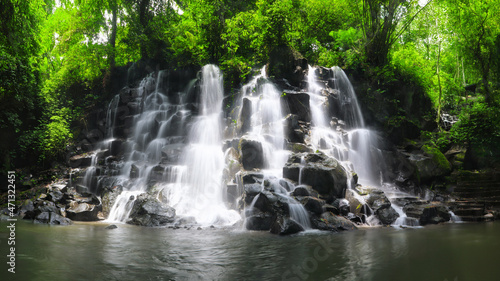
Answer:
x=90 y=252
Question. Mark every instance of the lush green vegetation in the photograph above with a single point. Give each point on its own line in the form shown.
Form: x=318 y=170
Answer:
x=58 y=56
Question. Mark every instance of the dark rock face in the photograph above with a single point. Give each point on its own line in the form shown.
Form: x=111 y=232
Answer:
x=433 y=164
x=52 y=218
x=296 y=103
x=431 y=213
x=331 y=222
x=382 y=207
x=287 y=66
x=80 y=161
x=377 y=200
x=148 y=211
x=387 y=215
x=295 y=132
x=286 y=226
x=251 y=154
x=313 y=205
x=324 y=174
x=261 y=221
x=83 y=212
x=244 y=120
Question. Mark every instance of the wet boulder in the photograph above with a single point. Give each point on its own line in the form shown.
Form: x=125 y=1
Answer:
x=80 y=161
x=313 y=205
x=244 y=119
x=431 y=165
x=293 y=131
x=431 y=213
x=342 y=206
x=377 y=200
x=26 y=207
x=259 y=221
x=147 y=211
x=285 y=226
x=251 y=154
x=83 y=211
x=296 y=103
x=356 y=206
x=387 y=215
x=331 y=222
x=323 y=173
x=52 y=218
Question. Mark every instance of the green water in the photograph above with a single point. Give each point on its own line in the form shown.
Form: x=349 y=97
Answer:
x=90 y=252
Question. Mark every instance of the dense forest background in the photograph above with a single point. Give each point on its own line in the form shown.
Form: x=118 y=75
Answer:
x=58 y=59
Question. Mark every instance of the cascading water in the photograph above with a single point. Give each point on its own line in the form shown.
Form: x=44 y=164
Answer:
x=197 y=192
x=345 y=137
x=192 y=185
x=174 y=151
x=267 y=128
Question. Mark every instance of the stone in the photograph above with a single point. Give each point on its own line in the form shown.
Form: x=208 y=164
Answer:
x=377 y=200
x=323 y=173
x=386 y=215
x=111 y=226
x=435 y=215
x=83 y=211
x=260 y=221
x=342 y=205
x=298 y=148
x=80 y=161
x=313 y=205
x=134 y=171
x=296 y=103
x=147 y=211
x=331 y=222
x=27 y=207
x=285 y=226
x=52 y=218
x=430 y=166
x=355 y=205
x=244 y=119
x=427 y=213
x=287 y=65
x=55 y=195
x=300 y=191
x=115 y=147
x=292 y=129
x=251 y=154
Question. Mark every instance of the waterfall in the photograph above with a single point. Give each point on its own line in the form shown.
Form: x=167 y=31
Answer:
x=198 y=192
x=267 y=128
x=345 y=137
x=191 y=184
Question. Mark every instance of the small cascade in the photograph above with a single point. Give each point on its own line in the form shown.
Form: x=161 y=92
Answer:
x=266 y=121
x=351 y=112
x=266 y=127
x=454 y=218
x=143 y=149
x=346 y=138
x=191 y=182
x=198 y=191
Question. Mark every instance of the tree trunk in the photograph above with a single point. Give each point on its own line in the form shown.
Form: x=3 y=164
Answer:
x=143 y=20
x=439 y=83
x=112 y=38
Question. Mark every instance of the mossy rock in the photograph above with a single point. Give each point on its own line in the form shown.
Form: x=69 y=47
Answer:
x=434 y=166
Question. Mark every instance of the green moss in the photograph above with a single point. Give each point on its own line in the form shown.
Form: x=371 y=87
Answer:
x=437 y=157
x=299 y=148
